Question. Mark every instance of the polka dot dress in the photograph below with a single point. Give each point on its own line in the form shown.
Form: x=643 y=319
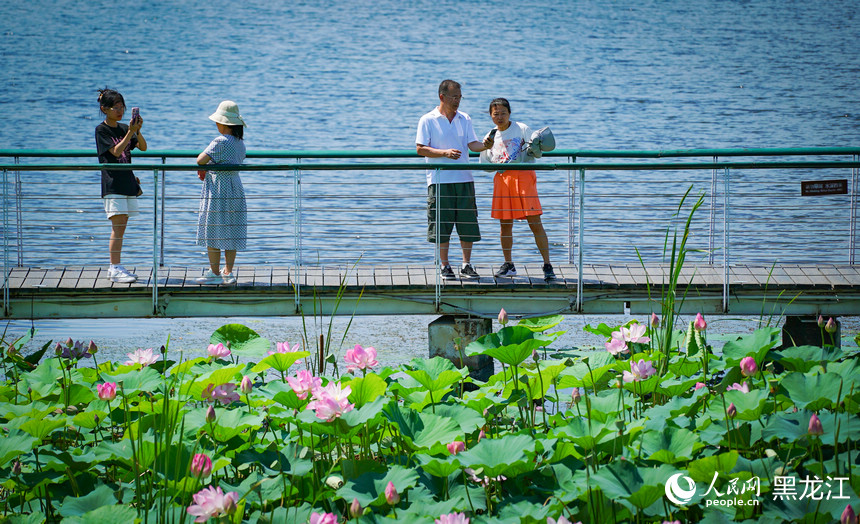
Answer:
x=223 y=219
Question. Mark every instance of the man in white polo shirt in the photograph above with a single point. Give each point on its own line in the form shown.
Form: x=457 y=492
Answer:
x=446 y=135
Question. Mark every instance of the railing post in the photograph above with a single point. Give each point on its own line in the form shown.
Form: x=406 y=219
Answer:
x=713 y=213
x=5 y=245
x=19 y=229
x=852 y=220
x=437 y=262
x=726 y=221
x=163 y=198
x=571 y=210
x=581 y=240
x=297 y=235
x=155 y=241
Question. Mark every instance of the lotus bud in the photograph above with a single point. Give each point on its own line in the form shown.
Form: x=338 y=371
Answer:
x=355 y=509
x=699 y=324
x=92 y=349
x=830 y=327
x=535 y=355
x=820 y=321
x=201 y=465
x=815 y=427
x=655 y=320
x=58 y=349
x=503 y=317
x=456 y=447
x=481 y=435
x=391 y=495
x=699 y=385
x=70 y=343
x=210 y=414
x=848 y=516
x=16 y=469
x=247 y=385
x=576 y=395
x=748 y=366
x=732 y=410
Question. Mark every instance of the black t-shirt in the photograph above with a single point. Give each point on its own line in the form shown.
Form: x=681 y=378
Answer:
x=115 y=182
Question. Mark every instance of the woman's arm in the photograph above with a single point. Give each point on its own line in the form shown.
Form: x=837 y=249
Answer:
x=202 y=160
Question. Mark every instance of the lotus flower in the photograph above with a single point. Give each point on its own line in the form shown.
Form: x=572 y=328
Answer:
x=212 y=502
x=639 y=371
x=848 y=516
x=225 y=393
x=452 y=518
x=655 y=322
x=360 y=358
x=355 y=509
x=743 y=387
x=218 y=351
x=732 y=410
x=820 y=321
x=561 y=520
x=699 y=385
x=247 y=386
x=503 y=317
x=107 y=391
x=391 y=495
x=323 y=518
x=144 y=357
x=201 y=465
x=635 y=333
x=210 y=414
x=284 y=347
x=330 y=402
x=699 y=324
x=456 y=447
x=815 y=427
x=304 y=383
x=616 y=346
x=748 y=366
x=830 y=326
x=576 y=395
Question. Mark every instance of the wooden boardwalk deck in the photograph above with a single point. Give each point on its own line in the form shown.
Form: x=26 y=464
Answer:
x=81 y=291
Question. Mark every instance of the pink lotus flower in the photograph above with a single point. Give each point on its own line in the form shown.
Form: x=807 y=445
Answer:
x=144 y=357
x=635 y=333
x=284 y=347
x=503 y=316
x=355 y=509
x=655 y=322
x=304 y=383
x=820 y=321
x=732 y=410
x=639 y=371
x=699 y=385
x=247 y=386
x=616 y=345
x=225 y=393
x=218 y=351
x=452 y=518
x=330 y=402
x=561 y=520
x=848 y=516
x=699 y=324
x=743 y=388
x=748 y=366
x=830 y=326
x=391 y=495
x=815 y=427
x=107 y=391
x=576 y=395
x=456 y=447
x=201 y=465
x=323 y=518
x=210 y=414
x=360 y=358
x=212 y=502
x=481 y=435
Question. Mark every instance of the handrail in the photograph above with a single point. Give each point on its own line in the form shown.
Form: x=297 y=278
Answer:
x=410 y=153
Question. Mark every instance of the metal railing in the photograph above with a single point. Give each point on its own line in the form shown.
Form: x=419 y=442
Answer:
x=325 y=208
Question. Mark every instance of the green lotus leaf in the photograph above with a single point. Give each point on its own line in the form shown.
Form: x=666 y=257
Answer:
x=749 y=405
x=671 y=445
x=425 y=509
x=755 y=344
x=500 y=456
x=525 y=511
x=622 y=481
x=814 y=392
x=702 y=470
x=438 y=467
x=145 y=379
x=283 y=394
x=468 y=419
x=87 y=419
x=104 y=515
x=443 y=380
x=369 y=488
x=76 y=506
x=423 y=429
x=804 y=358
x=579 y=375
x=538 y=324
x=15 y=443
x=240 y=339
x=41 y=428
x=361 y=415
x=280 y=362
x=366 y=389
x=511 y=345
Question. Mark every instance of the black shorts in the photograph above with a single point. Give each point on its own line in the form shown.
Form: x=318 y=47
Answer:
x=457 y=207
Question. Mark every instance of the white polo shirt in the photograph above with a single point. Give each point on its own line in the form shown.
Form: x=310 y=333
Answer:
x=436 y=131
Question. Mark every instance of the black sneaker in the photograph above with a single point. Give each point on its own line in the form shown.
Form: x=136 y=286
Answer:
x=507 y=270
x=548 y=273
x=468 y=271
x=447 y=273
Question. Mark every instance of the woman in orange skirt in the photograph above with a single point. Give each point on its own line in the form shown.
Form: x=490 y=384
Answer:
x=515 y=194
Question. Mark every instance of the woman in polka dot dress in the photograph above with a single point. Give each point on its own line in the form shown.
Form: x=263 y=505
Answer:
x=223 y=219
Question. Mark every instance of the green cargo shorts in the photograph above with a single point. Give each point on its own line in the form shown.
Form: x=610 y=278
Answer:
x=457 y=207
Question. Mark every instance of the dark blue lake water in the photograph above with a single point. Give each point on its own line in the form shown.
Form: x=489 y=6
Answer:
x=358 y=75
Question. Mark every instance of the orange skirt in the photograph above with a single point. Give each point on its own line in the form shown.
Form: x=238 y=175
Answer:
x=515 y=195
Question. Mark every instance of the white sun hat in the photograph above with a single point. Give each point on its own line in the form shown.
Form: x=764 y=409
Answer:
x=227 y=114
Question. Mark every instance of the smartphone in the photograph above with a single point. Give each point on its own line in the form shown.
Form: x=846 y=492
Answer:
x=135 y=113
x=493 y=133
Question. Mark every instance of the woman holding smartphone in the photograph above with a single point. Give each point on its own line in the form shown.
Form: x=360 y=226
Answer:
x=120 y=188
x=515 y=194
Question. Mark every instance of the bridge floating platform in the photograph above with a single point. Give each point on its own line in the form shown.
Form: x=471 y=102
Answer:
x=86 y=292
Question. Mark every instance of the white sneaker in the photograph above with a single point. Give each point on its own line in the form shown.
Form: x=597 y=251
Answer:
x=122 y=268
x=209 y=279
x=228 y=277
x=119 y=275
